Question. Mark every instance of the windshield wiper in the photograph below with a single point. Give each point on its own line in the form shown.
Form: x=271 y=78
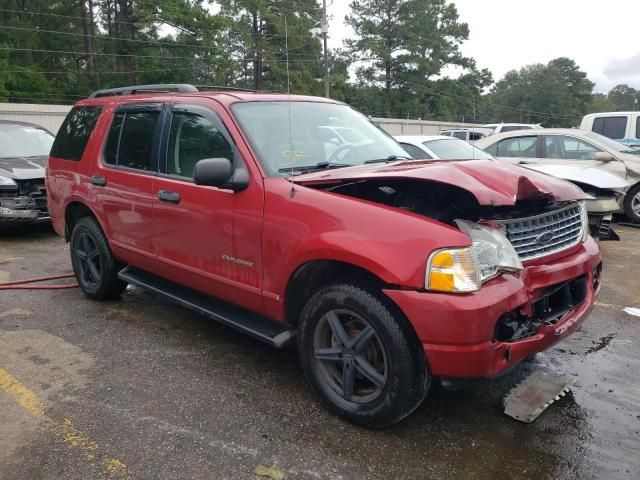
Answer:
x=318 y=166
x=390 y=158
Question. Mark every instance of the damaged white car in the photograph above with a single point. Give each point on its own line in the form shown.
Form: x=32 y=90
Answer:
x=605 y=190
x=571 y=147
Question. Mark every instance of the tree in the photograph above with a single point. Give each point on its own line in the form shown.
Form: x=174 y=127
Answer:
x=261 y=40
x=623 y=97
x=557 y=94
x=406 y=44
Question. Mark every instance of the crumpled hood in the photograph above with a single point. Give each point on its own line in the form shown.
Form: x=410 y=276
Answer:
x=23 y=168
x=594 y=176
x=491 y=182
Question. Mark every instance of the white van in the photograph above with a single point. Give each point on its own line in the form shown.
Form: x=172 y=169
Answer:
x=621 y=126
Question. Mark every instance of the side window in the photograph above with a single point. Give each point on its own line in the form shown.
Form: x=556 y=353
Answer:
x=492 y=149
x=130 y=140
x=460 y=135
x=638 y=127
x=517 y=147
x=415 y=152
x=192 y=138
x=612 y=127
x=74 y=133
x=571 y=148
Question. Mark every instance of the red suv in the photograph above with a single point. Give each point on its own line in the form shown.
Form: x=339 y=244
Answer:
x=294 y=218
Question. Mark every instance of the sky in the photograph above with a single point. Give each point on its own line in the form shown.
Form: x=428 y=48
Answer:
x=601 y=36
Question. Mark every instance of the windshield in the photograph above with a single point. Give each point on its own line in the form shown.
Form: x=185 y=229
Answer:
x=293 y=137
x=611 y=144
x=454 y=149
x=24 y=141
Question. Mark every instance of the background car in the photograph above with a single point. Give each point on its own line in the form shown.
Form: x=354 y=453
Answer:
x=24 y=148
x=466 y=134
x=605 y=189
x=509 y=127
x=439 y=147
x=621 y=126
x=571 y=147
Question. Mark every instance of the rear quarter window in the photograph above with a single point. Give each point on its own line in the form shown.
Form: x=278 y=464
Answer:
x=74 y=133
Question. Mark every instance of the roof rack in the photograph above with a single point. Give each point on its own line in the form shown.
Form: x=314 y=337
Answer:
x=164 y=87
x=157 y=88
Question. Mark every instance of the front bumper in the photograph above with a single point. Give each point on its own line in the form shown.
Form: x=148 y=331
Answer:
x=458 y=332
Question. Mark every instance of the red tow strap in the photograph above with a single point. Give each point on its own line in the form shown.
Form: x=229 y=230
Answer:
x=20 y=284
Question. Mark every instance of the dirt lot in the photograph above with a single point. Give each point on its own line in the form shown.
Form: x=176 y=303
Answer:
x=143 y=389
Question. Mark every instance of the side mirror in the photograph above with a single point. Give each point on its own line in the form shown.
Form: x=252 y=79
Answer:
x=219 y=172
x=603 y=157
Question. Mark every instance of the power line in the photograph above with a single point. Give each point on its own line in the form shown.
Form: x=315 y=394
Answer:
x=135 y=40
x=99 y=71
x=130 y=55
x=158 y=20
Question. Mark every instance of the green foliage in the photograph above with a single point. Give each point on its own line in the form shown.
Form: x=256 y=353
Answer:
x=557 y=94
x=404 y=60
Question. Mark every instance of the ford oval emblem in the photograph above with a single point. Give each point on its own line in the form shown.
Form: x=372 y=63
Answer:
x=544 y=238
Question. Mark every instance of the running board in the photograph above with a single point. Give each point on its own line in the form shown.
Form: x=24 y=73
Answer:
x=258 y=326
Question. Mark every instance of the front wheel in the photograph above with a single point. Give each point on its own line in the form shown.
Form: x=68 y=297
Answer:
x=361 y=356
x=632 y=203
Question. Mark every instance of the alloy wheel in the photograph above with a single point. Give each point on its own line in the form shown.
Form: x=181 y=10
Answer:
x=350 y=356
x=88 y=260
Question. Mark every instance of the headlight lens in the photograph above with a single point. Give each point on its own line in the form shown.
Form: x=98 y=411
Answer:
x=492 y=248
x=586 y=228
x=7 y=182
x=453 y=270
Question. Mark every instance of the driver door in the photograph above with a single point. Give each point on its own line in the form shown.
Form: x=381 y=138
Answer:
x=208 y=238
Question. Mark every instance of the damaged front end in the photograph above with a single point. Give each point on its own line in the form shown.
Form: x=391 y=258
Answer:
x=550 y=307
x=25 y=201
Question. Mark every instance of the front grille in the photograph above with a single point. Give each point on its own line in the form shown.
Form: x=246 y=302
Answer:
x=31 y=195
x=537 y=236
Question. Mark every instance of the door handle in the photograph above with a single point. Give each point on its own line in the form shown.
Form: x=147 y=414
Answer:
x=167 y=196
x=98 y=181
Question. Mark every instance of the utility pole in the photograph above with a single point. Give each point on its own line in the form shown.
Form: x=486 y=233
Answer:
x=324 y=30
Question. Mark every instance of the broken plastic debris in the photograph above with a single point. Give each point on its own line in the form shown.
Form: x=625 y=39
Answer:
x=632 y=311
x=534 y=395
x=270 y=472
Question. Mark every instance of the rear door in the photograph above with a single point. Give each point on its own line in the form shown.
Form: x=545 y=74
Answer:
x=517 y=149
x=208 y=238
x=123 y=181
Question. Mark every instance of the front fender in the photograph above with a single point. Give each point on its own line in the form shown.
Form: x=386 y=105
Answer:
x=390 y=243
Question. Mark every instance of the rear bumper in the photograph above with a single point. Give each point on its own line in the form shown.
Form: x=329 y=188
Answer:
x=458 y=332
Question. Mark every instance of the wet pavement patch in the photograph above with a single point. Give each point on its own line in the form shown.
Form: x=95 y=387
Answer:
x=144 y=389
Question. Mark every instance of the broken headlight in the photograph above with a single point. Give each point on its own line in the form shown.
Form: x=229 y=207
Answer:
x=493 y=250
x=453 y=270
x=7 y=182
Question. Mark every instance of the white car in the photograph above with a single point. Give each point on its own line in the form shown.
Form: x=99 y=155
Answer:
x=496 y=128
x=603 y=188
x=559 y=146
x=439 y=147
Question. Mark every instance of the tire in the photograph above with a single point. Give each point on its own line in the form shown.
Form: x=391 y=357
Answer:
x=94 y=265
x=632 y=203
x=375 y=336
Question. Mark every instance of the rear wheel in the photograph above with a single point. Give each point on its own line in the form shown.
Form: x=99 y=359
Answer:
x=361 y=356
x=632 y=203
x=94 y=265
